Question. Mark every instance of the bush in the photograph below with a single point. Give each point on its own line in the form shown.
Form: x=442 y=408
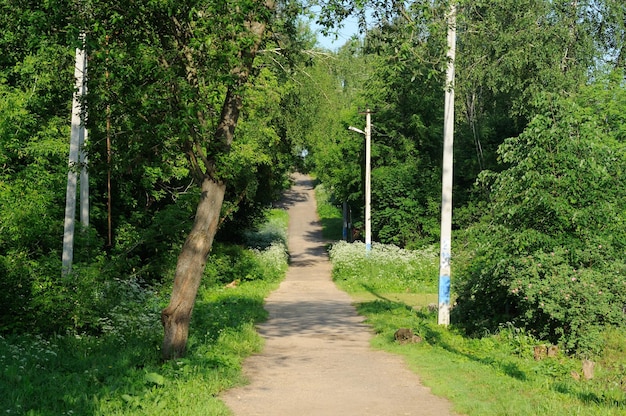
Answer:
x=545 y=294
x=548 y=254
x=265 y=260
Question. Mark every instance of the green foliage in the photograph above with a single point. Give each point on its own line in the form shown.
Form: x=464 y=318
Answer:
x=35 y=98
x=158 y=76
x=120 y=371
x=231 y=263
x=272 y=231
x=406 y=149
x=330 y=214
x=548 y=255
x=491 y=374
x=508 y=56
x=319 y=109
x=404 y=209
x=265 y=257
x=381 y=73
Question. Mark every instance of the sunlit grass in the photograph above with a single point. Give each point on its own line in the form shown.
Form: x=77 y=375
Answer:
x=495 y=374
x=492 y=375
x=120 y=372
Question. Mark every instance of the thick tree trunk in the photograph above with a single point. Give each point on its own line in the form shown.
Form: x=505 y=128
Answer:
x=189 y=269
x=192 y=259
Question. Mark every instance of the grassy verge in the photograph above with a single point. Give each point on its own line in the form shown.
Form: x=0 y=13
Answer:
x=120 y=373
x=332 y=222
x=492 y=375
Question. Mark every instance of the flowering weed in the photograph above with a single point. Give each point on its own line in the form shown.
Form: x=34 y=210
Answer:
x=119 y=372
x=386 y=268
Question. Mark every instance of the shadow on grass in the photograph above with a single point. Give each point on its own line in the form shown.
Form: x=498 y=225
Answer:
x=83 y=375
x=332 y=228
x=231 y=311
x=383 y=310
x=602 y=399
x=433 y=334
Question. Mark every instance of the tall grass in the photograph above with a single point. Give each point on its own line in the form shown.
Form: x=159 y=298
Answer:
x=120 y=372
x=385 y=268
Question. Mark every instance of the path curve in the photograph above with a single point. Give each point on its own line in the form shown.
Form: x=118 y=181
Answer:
x=317 y=360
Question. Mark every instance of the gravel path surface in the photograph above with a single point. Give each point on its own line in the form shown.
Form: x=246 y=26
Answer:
x=317 y=359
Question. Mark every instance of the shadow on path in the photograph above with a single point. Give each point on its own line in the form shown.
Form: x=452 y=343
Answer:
x=317 y=360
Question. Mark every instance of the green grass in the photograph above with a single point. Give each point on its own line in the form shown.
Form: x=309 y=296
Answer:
x=492 y=375
x=496 y=374
x=330 y=215
x=273 y=231
x=120 y=372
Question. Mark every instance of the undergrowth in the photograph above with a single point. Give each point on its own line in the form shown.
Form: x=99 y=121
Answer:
x=119 y=372
x=493 y=373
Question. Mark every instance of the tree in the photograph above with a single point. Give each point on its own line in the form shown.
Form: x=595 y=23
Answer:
x=185 y=32
x=396 y=72
x=408 y=84
x=204 y=154
x=36 y=73
x=547 y=254
x=323 y=103
x=170 y=83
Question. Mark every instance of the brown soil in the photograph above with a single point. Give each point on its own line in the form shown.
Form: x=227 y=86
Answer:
x=317 y=359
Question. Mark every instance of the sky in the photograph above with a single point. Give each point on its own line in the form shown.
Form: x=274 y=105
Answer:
x=332 y=42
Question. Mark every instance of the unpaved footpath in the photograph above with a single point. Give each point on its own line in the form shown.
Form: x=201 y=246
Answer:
x=317 y=359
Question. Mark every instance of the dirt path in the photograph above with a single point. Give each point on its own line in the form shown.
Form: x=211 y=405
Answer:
x=317 y=359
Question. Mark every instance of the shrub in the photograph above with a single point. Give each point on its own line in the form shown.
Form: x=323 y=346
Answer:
x=544 y=293
x=266 y=259
x=548 y=254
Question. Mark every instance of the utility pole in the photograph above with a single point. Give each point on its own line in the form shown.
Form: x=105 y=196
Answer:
x=82 y=154
x=77 y=140
x=368 y=180
x=446 y=186
x=368 y=177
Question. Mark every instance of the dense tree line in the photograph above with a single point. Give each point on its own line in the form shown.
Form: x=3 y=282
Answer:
x=185 y=132
x=539 y=152
x=198 y=110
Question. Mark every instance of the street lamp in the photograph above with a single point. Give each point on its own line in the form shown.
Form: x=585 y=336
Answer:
x=368 y=178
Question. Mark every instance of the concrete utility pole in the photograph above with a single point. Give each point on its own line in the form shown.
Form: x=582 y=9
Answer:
x=368 y=180
x=368 y=177
x=83 y=160
x=77 y=141
x=446 y=186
